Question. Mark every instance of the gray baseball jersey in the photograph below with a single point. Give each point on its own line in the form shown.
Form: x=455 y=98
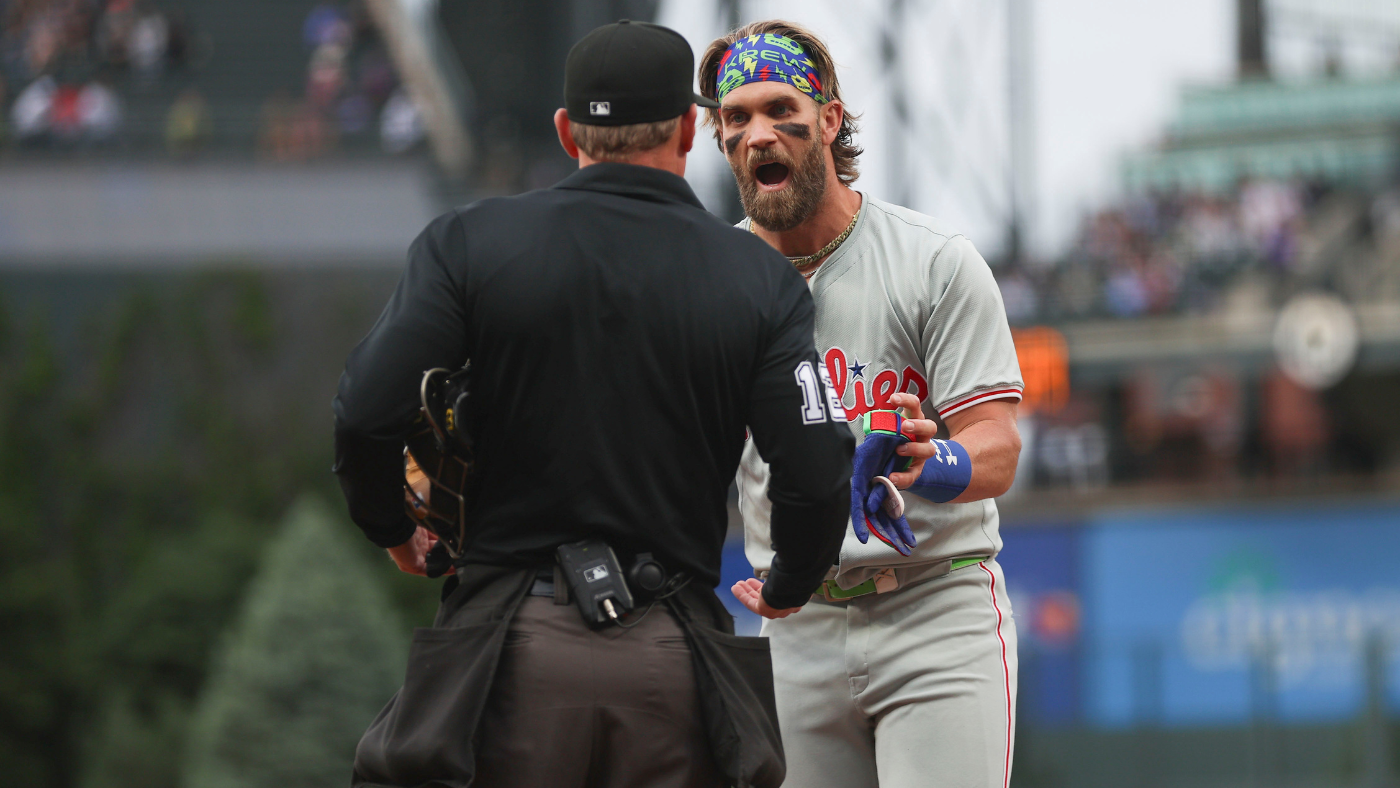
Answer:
x=905 y=304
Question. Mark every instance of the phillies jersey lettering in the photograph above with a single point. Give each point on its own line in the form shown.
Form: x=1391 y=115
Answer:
x=904 y=305
x=881 y=385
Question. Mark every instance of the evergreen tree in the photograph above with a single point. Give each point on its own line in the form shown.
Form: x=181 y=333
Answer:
x=155 y=636
x=314 y=654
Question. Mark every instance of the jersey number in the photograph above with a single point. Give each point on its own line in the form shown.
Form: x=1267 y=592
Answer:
x=814 y=388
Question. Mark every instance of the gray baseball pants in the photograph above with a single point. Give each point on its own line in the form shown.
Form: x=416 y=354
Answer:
x=915 y=687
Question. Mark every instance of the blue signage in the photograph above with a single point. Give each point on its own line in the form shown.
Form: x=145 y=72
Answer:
x=1042 y=579
x=1221 y=615
x=1196 y=615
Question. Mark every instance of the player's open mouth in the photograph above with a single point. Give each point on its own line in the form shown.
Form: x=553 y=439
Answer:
x=772 y=175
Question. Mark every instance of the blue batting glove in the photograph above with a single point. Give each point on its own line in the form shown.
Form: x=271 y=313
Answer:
x=887 y=522
x=875 y=499
x=875 y=457
x=944 y=477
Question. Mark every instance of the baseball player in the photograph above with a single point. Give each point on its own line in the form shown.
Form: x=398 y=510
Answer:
x=903 y=670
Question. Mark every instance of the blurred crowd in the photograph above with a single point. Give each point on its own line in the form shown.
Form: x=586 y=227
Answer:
x=79 y=37
x=1174 y=253
x=351 y=91
x=1210 y=424
x=1202 y=420
x=94 y=74
x=59 y=60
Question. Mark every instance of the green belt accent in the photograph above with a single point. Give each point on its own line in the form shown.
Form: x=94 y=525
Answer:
x=837 y=592
x=962 y=562
x=834 y=591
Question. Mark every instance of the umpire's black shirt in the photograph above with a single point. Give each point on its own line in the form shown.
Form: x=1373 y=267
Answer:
x=621 y=340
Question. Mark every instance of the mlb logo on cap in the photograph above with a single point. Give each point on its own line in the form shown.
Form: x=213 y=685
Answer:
x=646 y=72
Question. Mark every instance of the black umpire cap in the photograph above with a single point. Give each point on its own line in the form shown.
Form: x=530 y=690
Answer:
x=630 y=72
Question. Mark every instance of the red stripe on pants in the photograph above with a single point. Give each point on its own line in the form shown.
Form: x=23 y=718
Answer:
x=1006 y=673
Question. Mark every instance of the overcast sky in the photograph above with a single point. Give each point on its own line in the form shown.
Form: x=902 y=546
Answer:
x=1106 y=77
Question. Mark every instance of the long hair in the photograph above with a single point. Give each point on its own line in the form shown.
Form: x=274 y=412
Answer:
x=844 y=150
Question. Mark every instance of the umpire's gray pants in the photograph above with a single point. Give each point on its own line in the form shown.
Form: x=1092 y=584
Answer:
x=916 y=687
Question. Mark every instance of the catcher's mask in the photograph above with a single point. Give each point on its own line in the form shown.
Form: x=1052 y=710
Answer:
x=440 y=448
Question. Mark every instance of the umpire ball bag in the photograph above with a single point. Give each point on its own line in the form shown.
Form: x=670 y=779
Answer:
x=426 y=735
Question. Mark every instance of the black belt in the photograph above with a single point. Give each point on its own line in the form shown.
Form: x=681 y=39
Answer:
x=549 y=583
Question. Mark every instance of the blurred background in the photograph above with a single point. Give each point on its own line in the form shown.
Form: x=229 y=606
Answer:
x=1192 y=210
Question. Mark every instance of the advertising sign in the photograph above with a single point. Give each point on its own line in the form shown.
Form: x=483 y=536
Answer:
x=1219 y=616
x=1042 y=579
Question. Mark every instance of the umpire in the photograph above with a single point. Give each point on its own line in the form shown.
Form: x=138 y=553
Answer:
x=621 y=340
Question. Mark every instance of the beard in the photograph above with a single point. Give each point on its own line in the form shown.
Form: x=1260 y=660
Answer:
x=793 y=204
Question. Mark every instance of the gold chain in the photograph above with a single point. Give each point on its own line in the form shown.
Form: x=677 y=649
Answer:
x=803 y=262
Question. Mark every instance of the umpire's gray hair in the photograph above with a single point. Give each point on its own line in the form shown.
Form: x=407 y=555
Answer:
x=620 y=143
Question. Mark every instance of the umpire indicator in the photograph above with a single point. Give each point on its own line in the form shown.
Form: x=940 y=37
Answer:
x=595 y=581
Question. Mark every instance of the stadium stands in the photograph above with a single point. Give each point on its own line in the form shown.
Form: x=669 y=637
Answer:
x=1258 y=190
x=1201 y=253
x=292 y=81
x=1171 y=302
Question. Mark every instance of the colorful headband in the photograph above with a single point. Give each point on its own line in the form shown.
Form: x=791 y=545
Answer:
x=767 y=58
